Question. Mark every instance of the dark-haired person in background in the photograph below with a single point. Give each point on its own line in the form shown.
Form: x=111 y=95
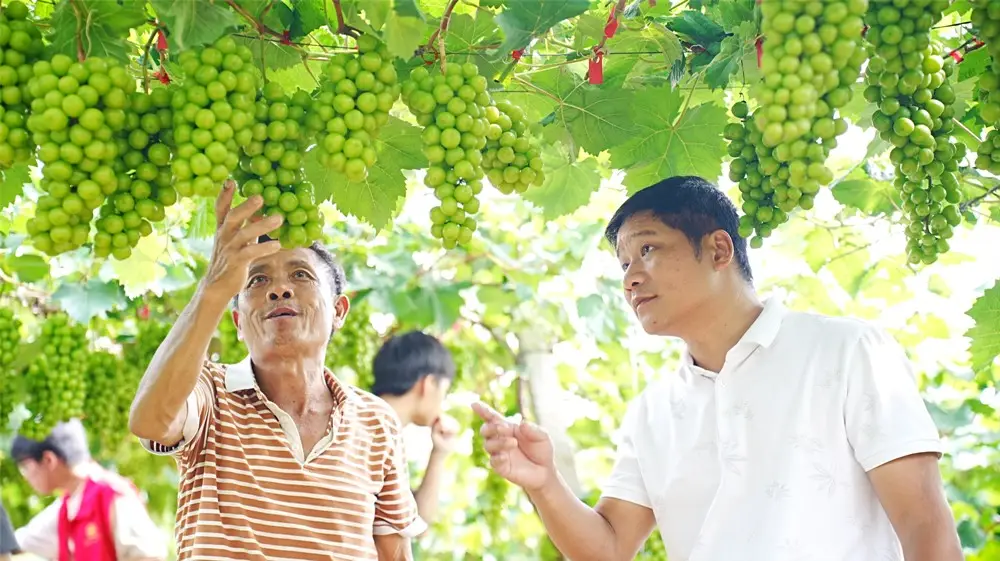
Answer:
x=277 y=458
x=99 y=517
x=783 y=435
x=413 y=373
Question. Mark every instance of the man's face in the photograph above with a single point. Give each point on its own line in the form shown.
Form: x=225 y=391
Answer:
x=288 y=303
x=433 y=391
x=665 y=282
x=39 y=474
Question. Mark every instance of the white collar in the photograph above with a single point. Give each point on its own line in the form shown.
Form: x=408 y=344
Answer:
x=240 y=377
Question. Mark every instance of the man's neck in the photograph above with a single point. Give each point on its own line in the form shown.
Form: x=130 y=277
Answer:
x=403 y=407
x=296 y=384
x=719 y=325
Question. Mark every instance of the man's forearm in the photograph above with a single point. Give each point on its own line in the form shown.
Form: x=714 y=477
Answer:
x=939 y=544
x=173 y=372
x=393 y=547
x=579 y=532
x=427 y=495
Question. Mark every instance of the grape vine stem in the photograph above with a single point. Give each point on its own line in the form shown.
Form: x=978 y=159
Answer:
x=342 y=27
x=80 y=54
x=258 y=25
x=145 y=58
x=976 y=200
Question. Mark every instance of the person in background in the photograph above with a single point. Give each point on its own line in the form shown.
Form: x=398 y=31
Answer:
x=99 y=517
x=413 y=373
x=783 y=435
x=8 y=543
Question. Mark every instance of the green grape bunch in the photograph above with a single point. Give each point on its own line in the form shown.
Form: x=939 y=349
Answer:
x=56 y=378
x=812 y=57
x=110 y=389
x=78 y=111
x=213 y=115
x=10 y=341
x=986 y=19
x=511 y=160
x=452 y=107
x=271 y=166
x=20 y=47
x=353 y=346
x=908 y=79
x=352 y=103
x=145 y=181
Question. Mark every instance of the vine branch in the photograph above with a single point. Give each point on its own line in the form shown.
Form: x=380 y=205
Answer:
x=976 y=200
x=258 y=25
x=440 y=32
x=342 y=27
x=145 y=58
x=81 y=55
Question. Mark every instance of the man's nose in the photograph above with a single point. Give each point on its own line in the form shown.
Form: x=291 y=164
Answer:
x=280 y=293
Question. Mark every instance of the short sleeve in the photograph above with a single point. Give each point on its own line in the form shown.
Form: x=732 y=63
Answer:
x=136 y=535
x=395 y=506
x=199 y=408
x=40 y=535
x=885 y=416
x=8 y=543
x=625 y=482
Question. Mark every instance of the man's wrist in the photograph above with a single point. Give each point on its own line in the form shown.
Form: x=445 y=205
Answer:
x=552 y=483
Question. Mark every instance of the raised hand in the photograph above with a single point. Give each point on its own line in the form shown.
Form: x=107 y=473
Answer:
x=519 y=452
x=236 y=243
x=443 y=434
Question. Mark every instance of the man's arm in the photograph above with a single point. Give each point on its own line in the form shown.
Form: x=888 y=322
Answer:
x=911 y=493
x=40 y=535
x=393 y=547
x=430 y=488
x=614 y=530
x=137 y=538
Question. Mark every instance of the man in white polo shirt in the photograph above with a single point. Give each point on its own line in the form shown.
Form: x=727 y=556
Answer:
x=784 y=436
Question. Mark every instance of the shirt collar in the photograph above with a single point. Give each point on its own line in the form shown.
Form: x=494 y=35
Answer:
x=240 y=377
x=762 y=333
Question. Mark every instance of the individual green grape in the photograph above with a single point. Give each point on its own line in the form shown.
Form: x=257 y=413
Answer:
x=10 y=342
x=451 y=106
x=20 y=48
x=56 y=377
x=761 y=213
x=271 y=166
x=78 y=111
x=908 y=79
x=812 y=57
x=352 y=103
x=110 y=390
x=352 y=348
x=213 y=115
x=515 y=169
x=986 y=22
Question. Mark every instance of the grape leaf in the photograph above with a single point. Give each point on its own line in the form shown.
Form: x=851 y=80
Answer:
x=403 y=34
x=423 y=306
x=664 y=145
x=82 y=302
x=279 y=17
x=466 y=32
x=307 y=16
x=297 y=77
x=698 y=28
x=375 y=199
x=107 y=25
x=871 y=197
x=192 y=23
x=521 y=21
x=973 y=64
x=409 y=8
x=734 y=48
x=619 y=62
x=669 y=44
x=568 y=185
x=28 y=267
x=270 y=55
x=142 y=270
x=13 y=183
x=984 y=336
x=733 y=13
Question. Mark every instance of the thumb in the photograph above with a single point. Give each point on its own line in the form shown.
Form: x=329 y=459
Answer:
x=531 y=432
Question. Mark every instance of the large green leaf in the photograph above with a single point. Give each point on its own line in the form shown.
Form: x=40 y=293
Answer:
x=13 y=183
x=403 y=34
x=867 y=195
x=523 y=20
x=307 y=16
x=568 y=185
x=598 y=118
x=297 y=77
x=192 y=23
x=271 y=55
x=28 y=267
x=733 y=49
x=666 y=144
x=105 y=26
x=83 y=301
x=428 y=306
x=142 y=270
x=985 y=334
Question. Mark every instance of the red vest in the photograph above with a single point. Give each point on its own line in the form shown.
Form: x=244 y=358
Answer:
x=91 y=533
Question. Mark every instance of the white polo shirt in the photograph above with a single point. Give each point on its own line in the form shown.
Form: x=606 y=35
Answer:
x=767 y=460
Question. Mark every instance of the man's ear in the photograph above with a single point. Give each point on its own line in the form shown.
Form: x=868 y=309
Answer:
x=49 y=459
x=236 y=322
x=720 y=248
x=341 y=306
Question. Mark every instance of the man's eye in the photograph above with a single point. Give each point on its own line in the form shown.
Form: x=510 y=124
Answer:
x=301 y=274
x=646 y=249
x=624 y=266
x=255 y=279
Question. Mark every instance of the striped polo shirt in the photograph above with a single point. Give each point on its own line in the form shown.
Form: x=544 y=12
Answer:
x=249 y=491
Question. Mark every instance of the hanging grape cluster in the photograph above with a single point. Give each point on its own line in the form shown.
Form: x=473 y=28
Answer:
x=110 y=389
x=812 y=57
x=56 y=377
x=230 y=349
x=145 y=182
x=20 y=48
x=743 y=137
x=908 y=78
x=352 y=102
x=354 y=345
x=986 y=19
x=511 y=161
x=213 y=115
x=271 y=166
x=10 y=341
x=452 y=106
x=78 y=109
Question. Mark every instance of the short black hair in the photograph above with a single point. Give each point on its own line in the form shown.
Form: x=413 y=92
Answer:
x=405 y=359
x=337 y=276
x=690 y=204
x=67 y=440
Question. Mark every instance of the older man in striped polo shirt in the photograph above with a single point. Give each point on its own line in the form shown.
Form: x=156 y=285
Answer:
x=278 y=459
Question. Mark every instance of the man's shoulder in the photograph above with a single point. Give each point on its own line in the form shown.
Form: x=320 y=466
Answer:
x=372 y=407
x=829 y=329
